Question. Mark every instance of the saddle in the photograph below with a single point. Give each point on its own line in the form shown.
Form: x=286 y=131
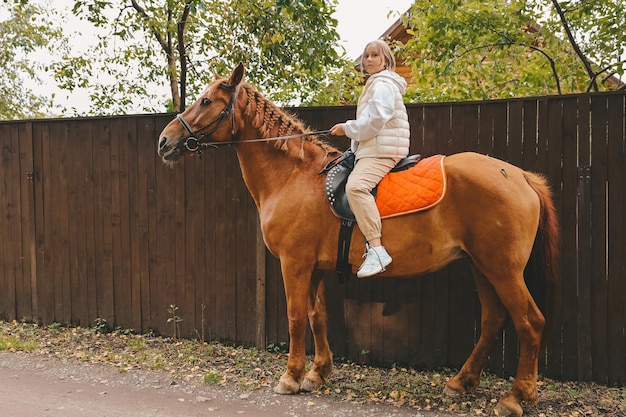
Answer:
x=414 y=184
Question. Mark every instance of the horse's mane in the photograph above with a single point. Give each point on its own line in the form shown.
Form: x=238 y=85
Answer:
x=272 y=121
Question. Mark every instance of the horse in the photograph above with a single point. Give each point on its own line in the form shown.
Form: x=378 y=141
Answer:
x=494 y=214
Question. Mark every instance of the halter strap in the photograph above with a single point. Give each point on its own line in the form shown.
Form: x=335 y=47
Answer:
x=192 y=143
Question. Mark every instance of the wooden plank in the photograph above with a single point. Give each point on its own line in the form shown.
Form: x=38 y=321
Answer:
x=599 y=333
x=210 y=233
x=7 y=278
x=15 y=212
x=229 y=240
x=30 y=312
x=40 y=135
x=365 y=328
x=616 y=285
x=529 y=134
x=515 y=130
x=120 y=250
x=584 y=250
x=220 y=247
x=241 y=300
x=192 y=225
x=377 y=334
x=103 y=220
x=56 y=208
x=403 y=316
x=485 y=128
x=177 y=279
x=246 y=284
x=148 y=233
x=163 y=274
x=569 y=276
x=500 y=116
x=78 y=169
x=261 y=289
x=416 y=123
x=131 y=150
x=335 y=305
x=89 y=261
x=554 y=148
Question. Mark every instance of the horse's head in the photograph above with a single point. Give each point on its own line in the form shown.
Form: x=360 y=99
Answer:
x=211 y=118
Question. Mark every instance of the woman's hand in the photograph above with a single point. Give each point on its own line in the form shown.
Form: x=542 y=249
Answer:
x=338 y=130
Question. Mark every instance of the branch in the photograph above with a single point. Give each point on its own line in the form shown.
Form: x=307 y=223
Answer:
x=182 y=55
x=166 y=45
x=534 y=48
x=574 y=44
x=620 y=86
x=153 y=28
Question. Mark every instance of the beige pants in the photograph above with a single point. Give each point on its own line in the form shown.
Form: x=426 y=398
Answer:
x=366 y=175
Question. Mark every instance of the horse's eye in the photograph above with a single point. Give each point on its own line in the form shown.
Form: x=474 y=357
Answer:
x=206 y=101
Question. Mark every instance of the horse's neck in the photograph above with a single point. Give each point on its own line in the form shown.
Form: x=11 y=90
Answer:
x=266 y=168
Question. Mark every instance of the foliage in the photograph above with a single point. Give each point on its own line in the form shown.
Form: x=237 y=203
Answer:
x=485 y=49
x=595 y=29
x=25 y=31
x=286 y=45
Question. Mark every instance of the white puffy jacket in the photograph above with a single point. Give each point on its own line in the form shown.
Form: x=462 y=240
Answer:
x=381 y=128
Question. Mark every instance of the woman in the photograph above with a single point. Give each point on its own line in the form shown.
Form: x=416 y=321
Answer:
x=379 y=138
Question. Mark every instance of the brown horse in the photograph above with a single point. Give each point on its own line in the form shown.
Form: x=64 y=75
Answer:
x=491 y=218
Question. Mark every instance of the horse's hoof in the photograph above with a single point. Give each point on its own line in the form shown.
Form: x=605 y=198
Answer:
x=312 y=382
x=452 y=392
x=286 y=386
x=508 y=407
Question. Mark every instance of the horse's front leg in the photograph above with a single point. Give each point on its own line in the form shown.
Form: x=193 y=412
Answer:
x=323 y=362
x=297 y=282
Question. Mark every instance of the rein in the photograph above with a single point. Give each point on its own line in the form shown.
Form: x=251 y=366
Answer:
x=193 y=143
x=232 y=142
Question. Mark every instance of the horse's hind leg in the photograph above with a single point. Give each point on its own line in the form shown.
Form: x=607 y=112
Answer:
x=529 y=324
x=506 y=292
x=323 y=362
x=493 y=319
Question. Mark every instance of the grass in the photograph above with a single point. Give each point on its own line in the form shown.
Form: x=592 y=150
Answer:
x=249 y=369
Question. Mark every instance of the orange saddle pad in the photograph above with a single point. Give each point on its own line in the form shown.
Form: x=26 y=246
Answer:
x=417 y=188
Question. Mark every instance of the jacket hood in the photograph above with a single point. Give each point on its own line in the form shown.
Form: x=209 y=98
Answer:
x=392 y=76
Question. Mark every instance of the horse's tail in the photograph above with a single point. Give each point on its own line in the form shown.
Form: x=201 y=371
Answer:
x=546 y=251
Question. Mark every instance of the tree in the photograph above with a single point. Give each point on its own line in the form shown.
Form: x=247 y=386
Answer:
x=25 y=31
x=286 y=45
x=483 y=49
x=595 y=30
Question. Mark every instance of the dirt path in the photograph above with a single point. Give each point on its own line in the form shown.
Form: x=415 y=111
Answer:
x=37 y=386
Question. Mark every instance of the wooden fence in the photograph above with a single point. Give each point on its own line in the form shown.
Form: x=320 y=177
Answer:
x=94 y=226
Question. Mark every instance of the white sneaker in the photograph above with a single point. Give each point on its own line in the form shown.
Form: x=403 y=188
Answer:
x=375 y=262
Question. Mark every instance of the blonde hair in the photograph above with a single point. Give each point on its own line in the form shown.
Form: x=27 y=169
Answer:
x=385 y=50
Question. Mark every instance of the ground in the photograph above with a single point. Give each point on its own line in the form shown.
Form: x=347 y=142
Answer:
x=71 y=372
x=35 y=385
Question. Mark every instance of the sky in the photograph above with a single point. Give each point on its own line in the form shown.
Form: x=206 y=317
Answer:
x=362 y=21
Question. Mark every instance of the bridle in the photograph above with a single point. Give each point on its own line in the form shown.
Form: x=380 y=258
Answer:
x=194 y=144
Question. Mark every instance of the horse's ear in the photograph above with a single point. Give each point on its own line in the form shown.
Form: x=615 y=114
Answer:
x=237 y=75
